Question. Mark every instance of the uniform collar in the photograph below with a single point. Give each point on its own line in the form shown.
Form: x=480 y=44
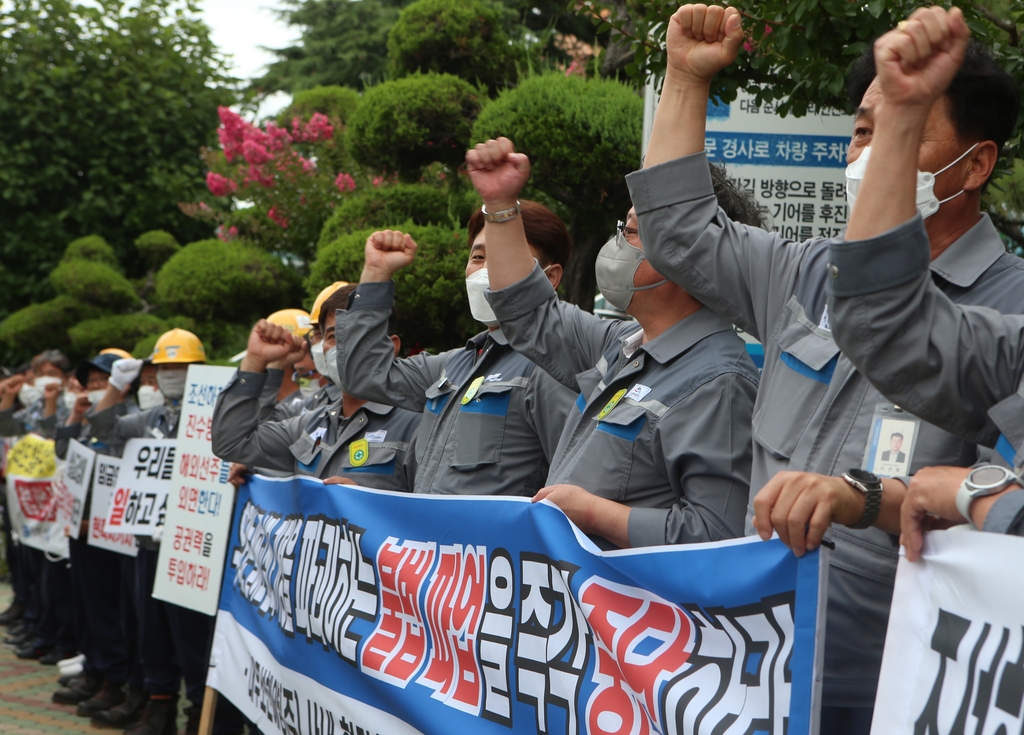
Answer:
x=479 y=341
x=970 y=255
x=683 y=335
x=378 y=408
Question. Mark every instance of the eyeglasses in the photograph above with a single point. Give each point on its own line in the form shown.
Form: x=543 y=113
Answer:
x=298 y=375
x=631 y=234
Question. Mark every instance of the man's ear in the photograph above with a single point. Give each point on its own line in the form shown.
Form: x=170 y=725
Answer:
x=397 y=342
x=554 y=274
x=983 y=161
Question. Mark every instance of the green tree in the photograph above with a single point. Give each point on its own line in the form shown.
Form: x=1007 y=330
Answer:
x=105 y=106
x=338 y=103
x=582 y=136
x=115 y=330
x=431 y=308
x=465 y=38
x=402 y=126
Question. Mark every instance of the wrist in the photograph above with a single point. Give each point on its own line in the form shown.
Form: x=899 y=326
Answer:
x=375 y=275
x=679 y=78
x=253 y=364
x=501 y=203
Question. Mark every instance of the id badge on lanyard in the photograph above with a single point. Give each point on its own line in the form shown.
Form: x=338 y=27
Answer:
x=891 y=441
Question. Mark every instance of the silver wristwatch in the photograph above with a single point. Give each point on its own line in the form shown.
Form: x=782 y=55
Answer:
x=871 y=485
x=981 y=482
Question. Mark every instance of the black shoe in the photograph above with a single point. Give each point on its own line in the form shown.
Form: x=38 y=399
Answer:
x=51 y=658
x=32 y=652
x=19 y=639
x=80 y=691
x=160 y=717
x=12 y=614
x=125 y=714
x=109 y=695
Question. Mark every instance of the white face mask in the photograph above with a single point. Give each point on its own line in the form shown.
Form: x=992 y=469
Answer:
x=69 y=400
x=29 y=394
x=927 y=203
x=95 y=396
x=331 y=358
x=172 y=383
x=318 y=358
x=308 y=387
x=149 y=397
x=476 y=284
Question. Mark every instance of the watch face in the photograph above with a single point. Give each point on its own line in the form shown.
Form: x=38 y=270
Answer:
x=986 y=477
x=868 y=478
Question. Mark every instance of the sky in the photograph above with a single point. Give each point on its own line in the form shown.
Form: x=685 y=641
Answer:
x=240 y=28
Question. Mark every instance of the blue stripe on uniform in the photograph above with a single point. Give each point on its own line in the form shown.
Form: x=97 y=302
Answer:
x=1005 y=449
x=436 y=405
x=581 y=402
x=388 y=468
x=822 y=376
x=629 y=432
x=492 y=404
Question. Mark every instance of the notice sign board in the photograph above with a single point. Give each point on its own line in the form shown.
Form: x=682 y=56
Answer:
x=139 y=503
x=197 y=526
x=106 y=472
x=794 y=166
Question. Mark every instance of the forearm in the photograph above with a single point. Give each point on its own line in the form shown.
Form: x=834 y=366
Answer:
x=509 y=259
x=609 y=520
x=680 y=121
x=112 y=397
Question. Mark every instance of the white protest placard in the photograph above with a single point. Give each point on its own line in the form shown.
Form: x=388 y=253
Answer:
x=73 y=485
x=32 y=500
x=954 y=650
x=139 y=502
x=104 y=483
x=197 y=526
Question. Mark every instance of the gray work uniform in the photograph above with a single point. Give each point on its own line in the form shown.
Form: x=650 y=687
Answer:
x=84 y=434
x=814 y=411
x=20 y=421
x=294 y=405
x=662 y=427
x=117 y=424
x=321 y=443
x=495 y=439
x=961 y=368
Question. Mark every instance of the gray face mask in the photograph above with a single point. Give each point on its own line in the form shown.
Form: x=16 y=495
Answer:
x=332 y=365
x=172 y=383
x=616 y=266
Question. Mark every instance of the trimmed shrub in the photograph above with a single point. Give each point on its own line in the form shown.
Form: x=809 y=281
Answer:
x=211 y=279
x=156 y=247
x=91 y=247
x=460 y=37
x=115 y=330
x=338 y=103
x=390 y=206
x=431 y=308
x=96 y=283
x=408 y=123
x=41 y=326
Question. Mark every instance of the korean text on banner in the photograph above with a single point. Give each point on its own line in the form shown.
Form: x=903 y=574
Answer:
x=198 y=520
x=139 y=503
x=954 y=650
x=32 y=495
x=104 y=484
x=73 y=484
x=349 y=610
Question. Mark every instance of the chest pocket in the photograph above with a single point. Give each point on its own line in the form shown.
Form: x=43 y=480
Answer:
x=481 y=428
x=797 y=385
x=437 y=397
x=307 y=455
x=380 y=460
x=605 y=464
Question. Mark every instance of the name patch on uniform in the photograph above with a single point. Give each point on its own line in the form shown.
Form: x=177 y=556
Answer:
x=473 y=388
x=611 y=404
x=157 y=433
x=638 y=392
x=358 y=452
x=375 y=436
x=493 y=378
x=825 y=322
x=318 y=434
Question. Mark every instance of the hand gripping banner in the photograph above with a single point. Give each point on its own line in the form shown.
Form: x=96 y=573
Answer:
x=345 y=610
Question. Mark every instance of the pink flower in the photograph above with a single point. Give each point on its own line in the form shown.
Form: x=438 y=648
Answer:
x=307 y=165
x=255 y=153
x=220 y=186
x=277 y=138
x=278 y=218
x=577 y=69
x=377 y=181
x=258 y=175
x=748 y=45
x=228 y=234
x=345 y=183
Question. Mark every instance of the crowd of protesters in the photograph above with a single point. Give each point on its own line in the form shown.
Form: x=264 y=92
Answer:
x=653 y=428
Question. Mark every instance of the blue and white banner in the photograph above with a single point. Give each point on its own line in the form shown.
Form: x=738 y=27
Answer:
x=345 y=610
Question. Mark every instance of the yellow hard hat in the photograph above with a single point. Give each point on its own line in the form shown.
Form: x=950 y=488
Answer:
x=178 y=346
x=117 y=351
x=314 y=313
x=295 y=321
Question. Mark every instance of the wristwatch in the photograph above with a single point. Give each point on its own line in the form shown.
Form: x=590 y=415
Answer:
x=871 y=485
x=982 y=481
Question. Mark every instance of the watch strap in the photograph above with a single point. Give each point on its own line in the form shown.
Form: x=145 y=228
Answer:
x=963 y=502
x=872 y=503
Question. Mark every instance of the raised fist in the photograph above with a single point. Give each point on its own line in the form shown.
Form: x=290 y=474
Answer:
x=9 y=390
x=82 y=406
x=124 y=372
x=916 y=62
x=270 y=343
x=387 y=252
x=702 y=40
x=497 y=172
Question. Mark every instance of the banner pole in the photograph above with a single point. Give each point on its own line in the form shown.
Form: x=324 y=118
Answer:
x=209 y=707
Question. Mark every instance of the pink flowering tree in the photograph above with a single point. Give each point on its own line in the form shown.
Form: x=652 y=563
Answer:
x=275 y=185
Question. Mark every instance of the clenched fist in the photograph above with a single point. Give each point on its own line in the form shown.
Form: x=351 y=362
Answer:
x=498 y=173
x=702 y=40
x=270 y=343
x=387 y=252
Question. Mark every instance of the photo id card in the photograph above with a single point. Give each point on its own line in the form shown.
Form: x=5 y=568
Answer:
x=891 y=441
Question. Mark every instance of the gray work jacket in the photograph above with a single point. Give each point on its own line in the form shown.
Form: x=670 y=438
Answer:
x=321 y=443
x=959 y=367
x=663 y=427
x=119 y=423
x=295 y=404
x=814 y=410
x=20 y=421
x=497 y=438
